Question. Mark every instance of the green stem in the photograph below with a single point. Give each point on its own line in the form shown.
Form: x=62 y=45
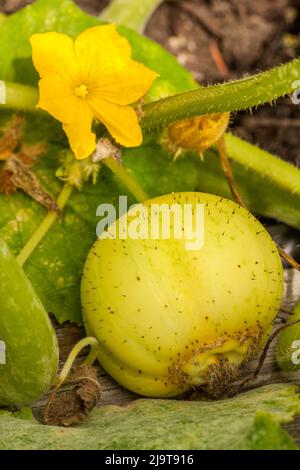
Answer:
x=45 y=226
x=124 y=175
x=268 y=185
x=17 y=96
x=132 y=13
x=89 y=341
x=232 y=96
x=287 y=176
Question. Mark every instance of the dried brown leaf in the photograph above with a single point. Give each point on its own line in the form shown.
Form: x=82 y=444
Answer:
x=15 y=174
x=11 y=138
x=29 y=154
x=65 y=408
x=7 y=187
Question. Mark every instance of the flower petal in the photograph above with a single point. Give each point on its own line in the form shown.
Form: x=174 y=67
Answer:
x=79 y=131
x=54 y=53
x=57 y=97
x=128 y=85
x=101 y=49
x=121 y=122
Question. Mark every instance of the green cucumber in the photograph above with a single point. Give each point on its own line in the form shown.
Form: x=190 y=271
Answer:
x=29 y=351
x=288 y=346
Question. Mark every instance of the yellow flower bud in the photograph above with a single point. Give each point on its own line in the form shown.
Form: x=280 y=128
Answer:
x=195 y=134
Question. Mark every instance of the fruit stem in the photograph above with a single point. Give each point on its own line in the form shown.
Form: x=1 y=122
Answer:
x=17 y=96
x=124 y=175
x=291 y=261
x=88 y=341
x=226 y=167
x=45 y=226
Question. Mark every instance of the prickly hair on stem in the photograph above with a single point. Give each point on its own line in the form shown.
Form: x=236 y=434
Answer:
x=228 y=97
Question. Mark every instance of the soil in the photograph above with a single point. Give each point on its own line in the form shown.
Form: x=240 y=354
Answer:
x=224 y=39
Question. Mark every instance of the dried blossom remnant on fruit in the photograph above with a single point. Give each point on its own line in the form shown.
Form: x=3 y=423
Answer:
x=73 y=406
x=219 y=376
x=93 y=76
x=220 y=370
x=195 y=134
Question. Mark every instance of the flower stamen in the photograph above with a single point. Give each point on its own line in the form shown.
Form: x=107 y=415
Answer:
x=81 y=91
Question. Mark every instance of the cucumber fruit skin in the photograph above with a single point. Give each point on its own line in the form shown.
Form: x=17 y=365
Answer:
x=164 y=315
x=30 y=340
x=288 y=345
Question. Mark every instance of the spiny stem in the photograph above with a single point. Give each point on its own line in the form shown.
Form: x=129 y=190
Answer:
x=124 y=175
x=132 y=13
x=45 y=226
x=232 y=96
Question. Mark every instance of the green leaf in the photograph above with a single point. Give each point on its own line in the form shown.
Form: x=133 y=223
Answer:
x=55 y=267
x=267 y=434
x=132 y=13
x=249 y=421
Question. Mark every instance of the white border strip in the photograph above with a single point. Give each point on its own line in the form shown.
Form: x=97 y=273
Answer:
x=2 y=92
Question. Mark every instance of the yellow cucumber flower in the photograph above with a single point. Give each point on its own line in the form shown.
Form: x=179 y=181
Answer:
x=91 y=77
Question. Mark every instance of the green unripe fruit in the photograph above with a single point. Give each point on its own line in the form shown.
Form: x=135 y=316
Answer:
x=288 y=346
x=29 y=352
x=169 y=319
